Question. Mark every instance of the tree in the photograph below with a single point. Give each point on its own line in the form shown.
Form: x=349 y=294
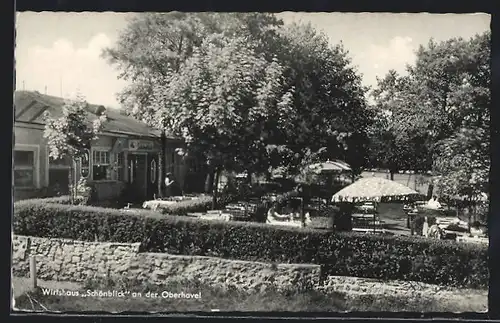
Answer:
x=299 y=94
x=154 y=46
x=329 y=101
x=390 y=147
x=444 y=104
x=225 y=101
x=70 y=135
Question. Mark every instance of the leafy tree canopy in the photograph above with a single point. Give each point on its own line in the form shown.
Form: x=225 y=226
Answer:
x=244 y=89
x=437 y=115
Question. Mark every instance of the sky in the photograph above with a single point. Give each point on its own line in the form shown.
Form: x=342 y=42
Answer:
x=58 y=53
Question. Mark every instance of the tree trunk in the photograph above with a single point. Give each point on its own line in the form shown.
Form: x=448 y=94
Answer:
x=71 y=184
x=209 y=181
x=75 y=180
x=302 y=213
x=391 y=175
x=162 y=164
x=470 y=209
x=268 y=176
x=430 y=191
x=215 y=189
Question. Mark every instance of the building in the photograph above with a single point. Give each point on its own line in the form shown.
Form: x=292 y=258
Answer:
x=125 y=154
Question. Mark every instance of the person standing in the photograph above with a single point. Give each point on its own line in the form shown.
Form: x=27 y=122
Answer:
x=172 y=188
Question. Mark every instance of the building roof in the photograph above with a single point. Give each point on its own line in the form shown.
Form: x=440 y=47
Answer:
x=30 y=108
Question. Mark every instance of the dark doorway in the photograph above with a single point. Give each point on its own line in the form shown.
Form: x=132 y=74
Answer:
x=59 y=181
x=137 y=165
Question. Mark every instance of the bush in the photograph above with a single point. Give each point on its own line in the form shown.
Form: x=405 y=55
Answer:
x=342 y=253
x=64 y=199
x=201 y=204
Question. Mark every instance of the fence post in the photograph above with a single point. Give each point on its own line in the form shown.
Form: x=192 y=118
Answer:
x=33 y=271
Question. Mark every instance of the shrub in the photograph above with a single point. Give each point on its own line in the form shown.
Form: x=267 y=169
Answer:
x=201 y=204
x=64 y=199
x=342 y=253
x=85 y=192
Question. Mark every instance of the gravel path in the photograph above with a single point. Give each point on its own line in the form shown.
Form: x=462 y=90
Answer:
x=450 y=299
x=20 y=285
x=453 y=299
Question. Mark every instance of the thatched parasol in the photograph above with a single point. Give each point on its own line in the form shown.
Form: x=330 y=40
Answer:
x=374 y=189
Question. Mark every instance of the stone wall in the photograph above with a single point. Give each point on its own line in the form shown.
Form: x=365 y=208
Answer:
x=77 y=261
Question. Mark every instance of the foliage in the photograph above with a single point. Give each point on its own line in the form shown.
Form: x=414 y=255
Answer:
x=84 y=191
x=155 y=45
x=437 y=116
x=330 y=115
x=349 y=254
x=201 y=204
x=64 y=199
x=223 y=100
x=70 y=135
x=245 y=83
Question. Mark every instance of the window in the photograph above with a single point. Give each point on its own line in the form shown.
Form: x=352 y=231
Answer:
x=101 y=165
x=85 y=164
x=118 y=163
x=24 y=168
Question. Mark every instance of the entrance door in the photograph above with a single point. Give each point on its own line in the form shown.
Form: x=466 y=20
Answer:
x=138 y=174
x=152 y=185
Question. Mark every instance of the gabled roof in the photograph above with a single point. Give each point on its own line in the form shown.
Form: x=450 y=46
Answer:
x=30 y=108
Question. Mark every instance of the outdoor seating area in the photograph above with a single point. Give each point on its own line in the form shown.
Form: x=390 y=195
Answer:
x=365 y=195
x=366 y=219
x=443 y=221
x=421 y=218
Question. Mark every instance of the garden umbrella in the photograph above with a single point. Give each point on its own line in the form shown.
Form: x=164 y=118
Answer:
x=373 y=189
x=335 y=166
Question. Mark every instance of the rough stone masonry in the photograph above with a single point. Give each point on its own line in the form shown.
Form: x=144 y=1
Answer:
x=78 y=261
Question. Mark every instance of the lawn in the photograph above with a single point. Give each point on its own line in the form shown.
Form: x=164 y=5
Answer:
x=219 y=299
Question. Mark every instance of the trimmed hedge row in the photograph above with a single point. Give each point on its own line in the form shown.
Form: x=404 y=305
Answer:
x=201 y=204
x=64 y=199
x=349 y=254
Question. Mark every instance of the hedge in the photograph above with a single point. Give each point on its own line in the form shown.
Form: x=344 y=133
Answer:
x=64 y=199
x=343 y=253
x=201 y=204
